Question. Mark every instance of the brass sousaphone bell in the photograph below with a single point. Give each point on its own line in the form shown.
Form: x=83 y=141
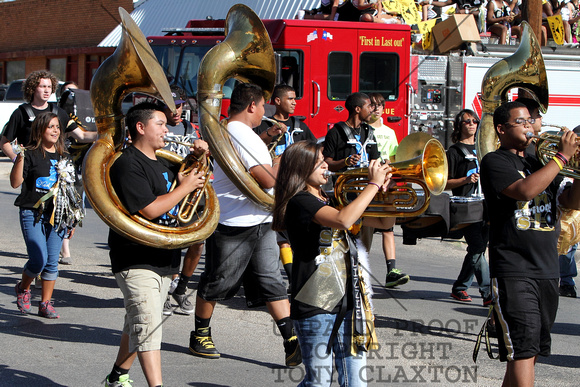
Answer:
x=133 y=68
x=524 y=69
x=428 y=170
x=247 y=55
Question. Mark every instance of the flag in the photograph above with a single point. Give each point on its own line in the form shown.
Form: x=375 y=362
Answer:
x=557 y=28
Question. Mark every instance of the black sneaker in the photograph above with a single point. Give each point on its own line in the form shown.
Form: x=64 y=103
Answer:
x=202 y=344
x=167 y=308
x=395 y=277
x=293 y=352
x=568 y=291
x=461 y=295
x=487 y=301
x=185 y=306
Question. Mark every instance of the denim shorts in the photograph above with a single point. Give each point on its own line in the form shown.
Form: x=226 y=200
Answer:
x=237 y=253
x=144 y=293
x=43 y=245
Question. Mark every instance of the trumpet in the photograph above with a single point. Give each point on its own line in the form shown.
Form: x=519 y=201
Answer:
x=546 y=149
x=274 y=143
x=171 y=139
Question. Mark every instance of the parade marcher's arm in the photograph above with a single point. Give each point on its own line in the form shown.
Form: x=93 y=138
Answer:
x=7 y=148
x=531 y=186
x=265 y=175
x=164 y=203
x=16 y=177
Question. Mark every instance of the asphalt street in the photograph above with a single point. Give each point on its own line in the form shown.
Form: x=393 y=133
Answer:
x=426 y=338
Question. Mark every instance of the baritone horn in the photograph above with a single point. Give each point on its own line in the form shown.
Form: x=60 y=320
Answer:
x=546 y=149
x=133 y=68
x=428 y=170
x=189 y=204
x=247 y=55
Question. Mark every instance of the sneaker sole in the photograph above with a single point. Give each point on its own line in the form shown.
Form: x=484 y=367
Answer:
x=184 y=312
x=204 y=355
x=400 y=281
x=461 y=299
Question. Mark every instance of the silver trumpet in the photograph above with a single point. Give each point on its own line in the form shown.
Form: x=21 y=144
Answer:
x=173 y=140
x=274 y=142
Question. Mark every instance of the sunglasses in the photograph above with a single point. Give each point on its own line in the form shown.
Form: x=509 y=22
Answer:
x=470 y=121
x=522 y=121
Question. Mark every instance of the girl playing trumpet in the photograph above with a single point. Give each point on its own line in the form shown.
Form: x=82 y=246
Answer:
x=325 y=290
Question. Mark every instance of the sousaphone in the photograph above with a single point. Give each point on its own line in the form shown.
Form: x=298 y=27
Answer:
x=247 y=55
x=133 y=68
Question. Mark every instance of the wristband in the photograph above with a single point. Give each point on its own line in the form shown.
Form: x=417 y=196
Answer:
x=268 y=133
x=557 y=161
x=375 y=184
x=346 y=161
x=562 y=157
x=14 y=159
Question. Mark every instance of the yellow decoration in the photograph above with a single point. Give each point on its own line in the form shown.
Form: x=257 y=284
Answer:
x=425 y=29
x=409 y=12
x=557 y=28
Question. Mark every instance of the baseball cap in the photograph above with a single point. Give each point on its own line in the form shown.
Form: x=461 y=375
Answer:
x=176 y=98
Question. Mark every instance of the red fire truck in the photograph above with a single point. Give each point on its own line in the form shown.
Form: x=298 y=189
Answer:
x=327 y=60
x=324 y=61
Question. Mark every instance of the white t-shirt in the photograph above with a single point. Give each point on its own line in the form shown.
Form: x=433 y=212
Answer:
x=236 y=209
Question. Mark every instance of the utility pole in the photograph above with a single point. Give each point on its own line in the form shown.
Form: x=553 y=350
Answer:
x=532 y=13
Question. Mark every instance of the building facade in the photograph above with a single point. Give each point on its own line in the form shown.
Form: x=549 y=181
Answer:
x=61 y=36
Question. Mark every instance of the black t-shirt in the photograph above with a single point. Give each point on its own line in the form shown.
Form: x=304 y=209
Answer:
x=39 y=173
x=291 y=136
x=20 y=124
x=337 y=145
x=523 y=234
x=460 y=166
x=311 y=245
x=348 y=12
x=138 y=181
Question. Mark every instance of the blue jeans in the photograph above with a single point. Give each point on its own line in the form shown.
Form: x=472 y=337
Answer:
x=474 y=262
x=313 y=334
x=568 y=268
x=43 y=245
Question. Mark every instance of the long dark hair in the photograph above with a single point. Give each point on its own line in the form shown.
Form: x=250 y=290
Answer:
x=39 y=125
x=297 y=163
x=456 y=135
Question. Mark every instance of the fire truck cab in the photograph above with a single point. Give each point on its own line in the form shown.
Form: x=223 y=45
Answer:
x=324 y=61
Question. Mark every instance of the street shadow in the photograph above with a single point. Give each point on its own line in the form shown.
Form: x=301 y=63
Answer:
x=101 y=280
x=65 y=298
x=34 y=327
x=457 y=329
x=566 y=361
x=11 y=254
x=12 y=377
x=566 y=329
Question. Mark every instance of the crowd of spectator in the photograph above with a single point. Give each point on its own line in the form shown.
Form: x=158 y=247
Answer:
x=500 y=18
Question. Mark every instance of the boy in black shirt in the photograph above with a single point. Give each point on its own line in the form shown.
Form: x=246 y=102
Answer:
x=143 y=273
x=521 y=200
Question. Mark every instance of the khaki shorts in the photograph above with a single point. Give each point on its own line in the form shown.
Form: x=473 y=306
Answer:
x=144 y=293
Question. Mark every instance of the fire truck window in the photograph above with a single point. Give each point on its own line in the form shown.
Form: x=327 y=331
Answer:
x=168 y=57
x=291 y=69
x=379 y=73
x=339 y=75
x=187 y=77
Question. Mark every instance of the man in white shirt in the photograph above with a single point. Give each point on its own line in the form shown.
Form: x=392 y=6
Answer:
x=244 y=245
